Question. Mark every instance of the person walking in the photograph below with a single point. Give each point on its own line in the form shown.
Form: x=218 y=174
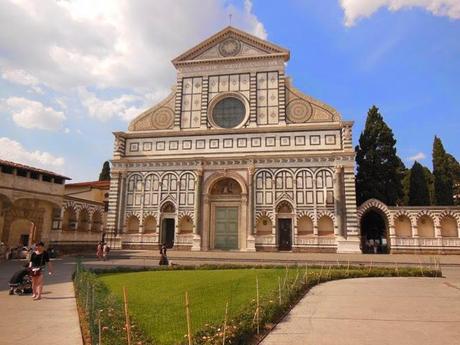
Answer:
x=38 y=260
x=164 y=257
x=105 y=251
x=99 y=251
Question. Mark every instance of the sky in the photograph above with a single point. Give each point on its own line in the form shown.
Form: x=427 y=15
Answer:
x=73 y=72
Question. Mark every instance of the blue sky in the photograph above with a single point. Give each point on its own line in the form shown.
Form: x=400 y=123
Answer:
x=84 y=74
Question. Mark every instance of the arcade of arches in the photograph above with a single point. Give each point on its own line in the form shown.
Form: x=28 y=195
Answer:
x=398 y=229
x=36 y=205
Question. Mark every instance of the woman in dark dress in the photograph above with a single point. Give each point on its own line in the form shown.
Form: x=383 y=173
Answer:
x=164 y=257
x=38 y=261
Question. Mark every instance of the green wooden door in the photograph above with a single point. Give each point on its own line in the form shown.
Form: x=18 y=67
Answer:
x=226 y=228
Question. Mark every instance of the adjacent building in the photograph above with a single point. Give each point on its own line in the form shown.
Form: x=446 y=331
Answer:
x=37 y=205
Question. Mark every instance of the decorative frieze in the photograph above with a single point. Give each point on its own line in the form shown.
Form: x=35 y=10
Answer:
x=299 y=141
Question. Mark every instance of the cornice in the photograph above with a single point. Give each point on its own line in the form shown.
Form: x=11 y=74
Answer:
x=248 y=160
x=231 y=59
x=217 y=131
x=229 y=31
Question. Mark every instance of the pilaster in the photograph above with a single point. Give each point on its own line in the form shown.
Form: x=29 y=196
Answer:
x=351 y=244
x=253 y=99
x=204 y=102
x=282 y=98
x=178 y=104
x=196 y=240
x=338 y=200
x=251 y=240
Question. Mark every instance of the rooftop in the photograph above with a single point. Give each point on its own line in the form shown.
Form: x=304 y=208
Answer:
x=92 y=184
x=4 y=163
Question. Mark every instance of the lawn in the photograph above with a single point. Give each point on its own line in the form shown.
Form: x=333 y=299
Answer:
x=157 y=298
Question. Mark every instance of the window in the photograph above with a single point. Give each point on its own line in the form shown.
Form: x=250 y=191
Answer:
x=228 y=112
x=264 y=188
x=21 y=172
x=324 y=187
x=56 y=224
x=135 y=185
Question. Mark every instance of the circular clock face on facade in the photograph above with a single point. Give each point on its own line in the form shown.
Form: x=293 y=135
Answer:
x=229 y=47
x=228 y=112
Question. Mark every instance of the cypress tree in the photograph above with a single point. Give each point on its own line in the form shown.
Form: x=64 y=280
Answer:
x=105 y=172
x=405 y=185
x=419 y=194
x=379 y=170
x=443 y=183
x=454 y=168
x=430 y=182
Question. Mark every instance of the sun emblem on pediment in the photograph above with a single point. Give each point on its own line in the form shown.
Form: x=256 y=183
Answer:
x=230 y=47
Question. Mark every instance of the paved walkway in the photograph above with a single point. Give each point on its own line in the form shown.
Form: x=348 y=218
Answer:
x=375 y=311
x=151 y=257
x=53 y=320
x=345 y=312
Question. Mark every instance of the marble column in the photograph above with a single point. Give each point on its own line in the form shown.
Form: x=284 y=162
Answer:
x=338 y=200
x=244 y=222
x=121 y=226
x=251 y=240
x=392 y=230
x=437 y=228
x=141 y=220
x=196 y=240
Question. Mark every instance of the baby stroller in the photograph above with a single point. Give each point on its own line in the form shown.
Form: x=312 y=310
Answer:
x=21 y=282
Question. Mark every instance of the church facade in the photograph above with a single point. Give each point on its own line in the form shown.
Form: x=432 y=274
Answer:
x=237 y=158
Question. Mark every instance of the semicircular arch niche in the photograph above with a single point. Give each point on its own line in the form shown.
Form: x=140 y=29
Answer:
x=284 y=207
x=168 y=207
x=299 y=111
x=226 y=186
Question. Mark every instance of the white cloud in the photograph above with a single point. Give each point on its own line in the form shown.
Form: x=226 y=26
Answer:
x=417 y=157
x=110 y=43
x=355 y=9
x=21 y=77
x=32 y=114
x=13 y=151
x=258 y=27
x=124 y=106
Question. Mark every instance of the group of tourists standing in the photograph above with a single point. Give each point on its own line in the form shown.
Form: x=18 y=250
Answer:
x=102 y=251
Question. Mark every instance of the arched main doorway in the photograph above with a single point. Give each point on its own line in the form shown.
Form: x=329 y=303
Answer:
x=284 y=215
x=168 y=224
x=374 y=233
x=23 y=221
x=22 y=233
x=225 y=203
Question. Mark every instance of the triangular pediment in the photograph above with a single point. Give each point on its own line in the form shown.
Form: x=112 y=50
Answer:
x=230 y=44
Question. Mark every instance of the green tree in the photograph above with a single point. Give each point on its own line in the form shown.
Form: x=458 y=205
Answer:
x=454 y=168
x=443 y=182
x=105 y=172
x=430 y=182
x=405 y=185
x=419 y=194
x=379 y=172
